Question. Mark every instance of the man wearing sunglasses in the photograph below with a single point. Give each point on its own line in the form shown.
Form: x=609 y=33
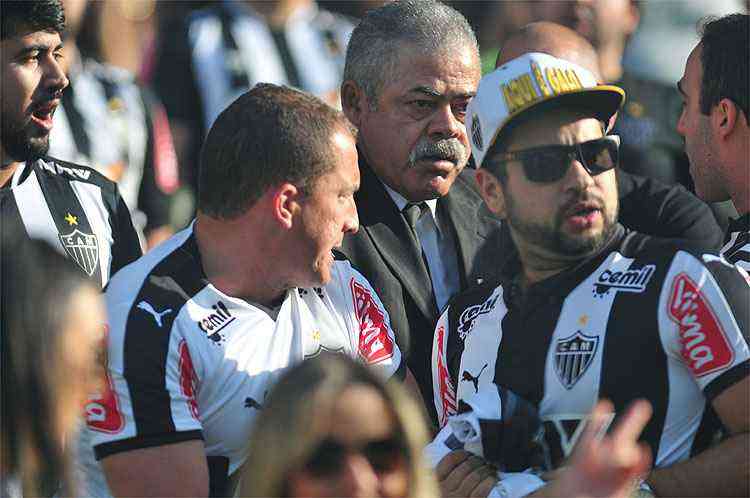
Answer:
x=589 y=310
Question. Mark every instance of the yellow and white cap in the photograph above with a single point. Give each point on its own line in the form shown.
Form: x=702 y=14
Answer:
x=533 y=81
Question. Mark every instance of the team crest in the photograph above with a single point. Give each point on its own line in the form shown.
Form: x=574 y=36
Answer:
x=82 y=248
x=573 y=355
x=476 y=131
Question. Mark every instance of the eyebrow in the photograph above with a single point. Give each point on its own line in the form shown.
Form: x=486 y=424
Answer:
x=38 y=47
x=431 y=92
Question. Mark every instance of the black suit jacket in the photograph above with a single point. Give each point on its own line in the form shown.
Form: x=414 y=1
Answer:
x=383 y=253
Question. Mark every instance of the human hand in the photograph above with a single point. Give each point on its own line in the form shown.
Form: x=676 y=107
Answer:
x=609 y=466
x=462 y=474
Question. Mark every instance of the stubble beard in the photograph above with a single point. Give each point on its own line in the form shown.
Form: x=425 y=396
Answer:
x=552 y=238
x=18 y=143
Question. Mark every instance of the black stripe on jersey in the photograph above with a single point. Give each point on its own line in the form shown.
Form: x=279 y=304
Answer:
x=708 y=432
x=173 y=281
x=11 y=223
x=743 y=238
x=737 y=256
x=137 y=443
x=634 y=364
x=63 y=201
x=727 y=379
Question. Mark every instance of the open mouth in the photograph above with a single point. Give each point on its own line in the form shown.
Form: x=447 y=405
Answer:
x=583 y=214
x=42 y=113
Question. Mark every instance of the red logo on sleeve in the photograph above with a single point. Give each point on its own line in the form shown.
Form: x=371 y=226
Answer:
x=705 y=347
x=375 y=344
x=447 y=391
x=102 y=410
x=188 y=379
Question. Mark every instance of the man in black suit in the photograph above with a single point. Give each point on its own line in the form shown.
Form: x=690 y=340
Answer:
x=411 y=69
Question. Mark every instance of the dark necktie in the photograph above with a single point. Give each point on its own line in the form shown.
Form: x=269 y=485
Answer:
x=412 y=213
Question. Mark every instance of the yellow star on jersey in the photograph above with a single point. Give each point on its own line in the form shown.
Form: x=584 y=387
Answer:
x=72 y=220
x=583 y=320
x=316 y=335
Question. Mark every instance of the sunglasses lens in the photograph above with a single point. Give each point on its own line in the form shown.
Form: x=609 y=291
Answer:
x=546 y=166
x=384 y=456
x=600 y=155
x=327 y=459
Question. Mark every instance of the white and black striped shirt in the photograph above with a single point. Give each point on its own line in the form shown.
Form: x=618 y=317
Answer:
x=76 y=210
x=640 y=320
x=737 y=243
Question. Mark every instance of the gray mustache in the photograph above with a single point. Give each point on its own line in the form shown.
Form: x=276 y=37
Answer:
x=449 y=149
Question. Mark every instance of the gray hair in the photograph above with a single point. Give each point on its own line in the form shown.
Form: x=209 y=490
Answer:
x=381 y=36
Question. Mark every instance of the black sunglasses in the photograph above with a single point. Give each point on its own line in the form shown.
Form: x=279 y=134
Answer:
x=549 y=163
x=329 y=457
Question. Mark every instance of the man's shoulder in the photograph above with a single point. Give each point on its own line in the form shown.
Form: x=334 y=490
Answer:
x=167 y=273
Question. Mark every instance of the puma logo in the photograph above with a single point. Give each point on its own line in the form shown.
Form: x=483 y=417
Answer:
x=466 y=376
x=143 y=305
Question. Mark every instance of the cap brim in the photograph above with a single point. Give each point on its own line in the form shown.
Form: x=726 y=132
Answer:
x=603 y=101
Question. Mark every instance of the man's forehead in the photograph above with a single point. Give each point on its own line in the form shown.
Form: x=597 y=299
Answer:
x=41 y=38
x=440 y=72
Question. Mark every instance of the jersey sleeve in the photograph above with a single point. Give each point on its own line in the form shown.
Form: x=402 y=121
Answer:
x=374 y=337
x=703 y=320
x=149 y=396
x=443 y=388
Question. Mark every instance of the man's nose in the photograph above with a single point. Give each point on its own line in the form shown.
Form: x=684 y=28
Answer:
x=351 y=225
x=444 y=123
x=54 y=76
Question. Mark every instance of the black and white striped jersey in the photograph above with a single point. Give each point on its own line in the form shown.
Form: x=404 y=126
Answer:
x=737 y=243
x=186 y=361
x=110 y=123
x=76 y=210
x=640 y=320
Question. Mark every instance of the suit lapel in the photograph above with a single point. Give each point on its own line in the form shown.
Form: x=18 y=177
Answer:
x=380 y=219
x=462 y=210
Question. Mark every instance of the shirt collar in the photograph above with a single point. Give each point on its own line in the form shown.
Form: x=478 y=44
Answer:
x=401 y=202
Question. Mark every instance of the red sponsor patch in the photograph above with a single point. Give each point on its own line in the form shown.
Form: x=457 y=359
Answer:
x=705 y=347
x=102 y=409
x=447 y=391
x=375 y=344
x=188 y=379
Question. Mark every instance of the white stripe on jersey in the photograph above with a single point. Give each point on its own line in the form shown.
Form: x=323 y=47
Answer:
x=35 y=213
x=90 y=197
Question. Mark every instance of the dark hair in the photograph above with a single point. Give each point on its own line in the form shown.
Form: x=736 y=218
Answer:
x=29 y=16
x=270 y=135
x=725 y=50
x=377 y=42
x=36 y=285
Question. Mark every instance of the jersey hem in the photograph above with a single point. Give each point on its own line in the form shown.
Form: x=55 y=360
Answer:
x=139 y=442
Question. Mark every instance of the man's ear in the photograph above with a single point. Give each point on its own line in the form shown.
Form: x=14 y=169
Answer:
x=354 y=102
x=491 y=191
x=285 y=204
x=724 y=117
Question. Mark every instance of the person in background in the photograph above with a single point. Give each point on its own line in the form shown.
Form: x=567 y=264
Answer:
x=714 y=122
x=51 y=328
x=109 y=122
x=74 y=208
x=331 y=427
x=206 y=60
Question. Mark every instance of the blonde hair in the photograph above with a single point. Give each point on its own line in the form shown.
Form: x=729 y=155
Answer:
x=296 y=418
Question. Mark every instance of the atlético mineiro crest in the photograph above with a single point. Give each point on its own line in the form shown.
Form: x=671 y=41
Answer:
x=573 y=355
x=83 y=248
